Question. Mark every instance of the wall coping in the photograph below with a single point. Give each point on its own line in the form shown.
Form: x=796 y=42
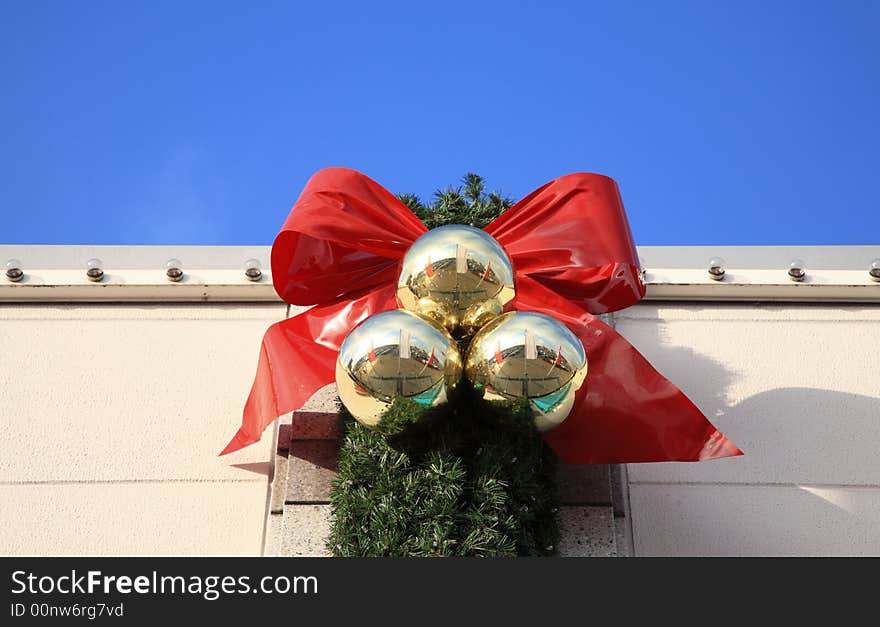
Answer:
x=216 y=273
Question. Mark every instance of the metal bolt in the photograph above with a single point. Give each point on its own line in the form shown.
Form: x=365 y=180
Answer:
x=797 y=270
x=174 y=270
x=94 y=270
x=716 y=269
x=252 y=270
x=14 y=272
x=874 y=270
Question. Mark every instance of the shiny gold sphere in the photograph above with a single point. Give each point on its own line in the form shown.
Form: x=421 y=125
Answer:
x=528 y=355
x=391 y=354
x=457 y=275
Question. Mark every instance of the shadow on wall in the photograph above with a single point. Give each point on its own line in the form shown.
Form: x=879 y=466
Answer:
x=807 y=435
x=704 y=380
x=793 y=434
x=808 y=483
x=258 y=468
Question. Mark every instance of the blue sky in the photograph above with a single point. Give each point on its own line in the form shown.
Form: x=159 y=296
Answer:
x=731 y=122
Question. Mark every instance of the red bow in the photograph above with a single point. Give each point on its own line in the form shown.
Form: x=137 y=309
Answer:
x=571 y=248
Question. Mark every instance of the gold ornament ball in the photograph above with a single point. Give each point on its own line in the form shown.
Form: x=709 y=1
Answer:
x=391 y=354
x=457 y=275
x=528 y=355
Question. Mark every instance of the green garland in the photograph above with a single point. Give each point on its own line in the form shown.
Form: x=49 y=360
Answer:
x=468 y=478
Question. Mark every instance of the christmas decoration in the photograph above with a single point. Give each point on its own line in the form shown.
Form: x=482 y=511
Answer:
x=523 y=355
x=458 y=276
x=572 y=254
x=395 y=354
x=473 y=475
x=468 y=477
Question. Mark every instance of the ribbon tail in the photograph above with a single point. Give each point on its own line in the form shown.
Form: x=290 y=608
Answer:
x=625 y=411
x=292 y=367
x=628 y=412
x=298 y=357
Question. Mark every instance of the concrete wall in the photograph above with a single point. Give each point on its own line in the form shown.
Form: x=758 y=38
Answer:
x=111 y=418
x=797 y=388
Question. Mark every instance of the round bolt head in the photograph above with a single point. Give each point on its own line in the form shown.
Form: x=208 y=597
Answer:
x=797 y=270
x=716 y=268
x=716 y=274
x=874 y=270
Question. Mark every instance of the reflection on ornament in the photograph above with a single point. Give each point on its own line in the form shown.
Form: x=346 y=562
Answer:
x=391 y=354
x=458 y=276
x=528 y=355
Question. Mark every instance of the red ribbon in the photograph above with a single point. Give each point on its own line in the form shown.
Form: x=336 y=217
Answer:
x=573 y=254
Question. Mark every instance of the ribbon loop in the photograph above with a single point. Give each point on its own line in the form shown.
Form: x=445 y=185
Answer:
x=572 y=236
x=344 y=234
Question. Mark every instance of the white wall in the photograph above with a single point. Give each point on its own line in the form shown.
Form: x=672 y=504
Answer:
x=111 y=418
x=112 y=413
x=797 y=387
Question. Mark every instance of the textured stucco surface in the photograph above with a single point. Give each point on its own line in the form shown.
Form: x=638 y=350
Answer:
x=755 y=520
x=163 y=518
x=796 y=388
x=112 y=419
